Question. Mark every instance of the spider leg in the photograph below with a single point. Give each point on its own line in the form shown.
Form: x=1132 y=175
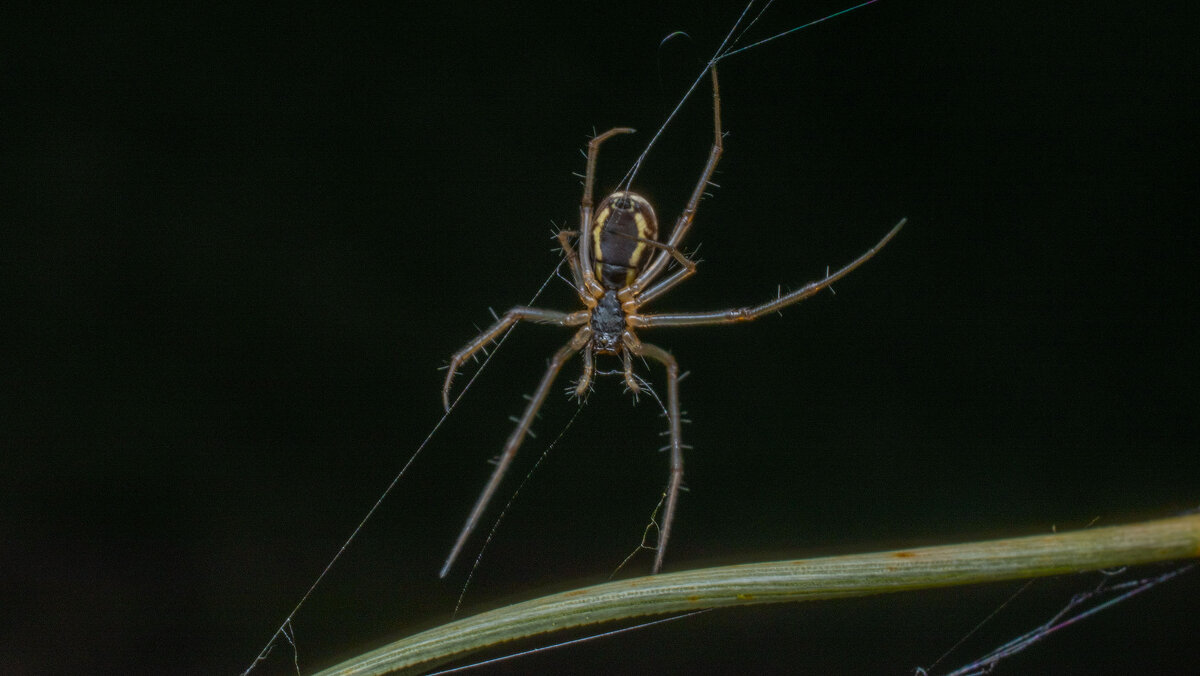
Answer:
x=585 y=378
x=746 y=314
x=593 y=288
x=514 y=315
x=687 y=269
x=564 y=240
x=689 y=212
x=630 y=381
x=560 y=357
x=676 y=481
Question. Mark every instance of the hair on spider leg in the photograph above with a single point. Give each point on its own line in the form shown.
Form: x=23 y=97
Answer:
x=572 y=390
x=516 y=421
x=648 y=388
x=636 y=394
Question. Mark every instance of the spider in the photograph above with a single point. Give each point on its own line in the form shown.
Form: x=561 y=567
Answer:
x=616 y=270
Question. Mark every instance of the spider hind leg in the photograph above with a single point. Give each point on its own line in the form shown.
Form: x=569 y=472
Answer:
x=578 y=342
x=675 y=482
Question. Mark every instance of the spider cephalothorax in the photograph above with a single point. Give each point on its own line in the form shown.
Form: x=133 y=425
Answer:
x=616 y=270
x=608 y=323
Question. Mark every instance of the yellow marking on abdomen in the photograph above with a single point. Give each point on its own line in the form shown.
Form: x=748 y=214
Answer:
x=597 y=252
x=635 y=258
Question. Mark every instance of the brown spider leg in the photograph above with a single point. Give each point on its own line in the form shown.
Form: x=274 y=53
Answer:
x=591 y=286
x=516 y=314
x=746 y=314
x=630 y=381
x=687 y=269
x=689 y=212
x=564 y=240
x=585 y=379
x=514 y=440
x=676 y=480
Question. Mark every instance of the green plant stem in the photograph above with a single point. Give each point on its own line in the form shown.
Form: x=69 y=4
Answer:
x=783 y=581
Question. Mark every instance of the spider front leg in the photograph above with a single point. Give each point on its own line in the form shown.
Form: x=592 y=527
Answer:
x=632 y=344
x=591 y=288
x=645 y=277
x=564 y=241
x=746 y=314
x=631 y=303
x=516 y=314
x=560 y=357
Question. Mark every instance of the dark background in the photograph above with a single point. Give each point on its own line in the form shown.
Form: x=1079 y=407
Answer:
x=239 y=243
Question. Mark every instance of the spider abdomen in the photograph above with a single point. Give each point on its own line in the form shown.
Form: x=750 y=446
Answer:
x=623 y=225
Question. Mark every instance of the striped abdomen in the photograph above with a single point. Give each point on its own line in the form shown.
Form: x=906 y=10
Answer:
x=623 y=225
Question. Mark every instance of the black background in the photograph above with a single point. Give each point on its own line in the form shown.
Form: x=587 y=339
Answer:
x=242 y=241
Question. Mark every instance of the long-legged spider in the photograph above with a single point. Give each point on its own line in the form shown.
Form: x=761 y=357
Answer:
x=615 y=272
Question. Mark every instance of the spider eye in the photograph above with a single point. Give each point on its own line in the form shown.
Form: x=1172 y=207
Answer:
x=622 y=203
